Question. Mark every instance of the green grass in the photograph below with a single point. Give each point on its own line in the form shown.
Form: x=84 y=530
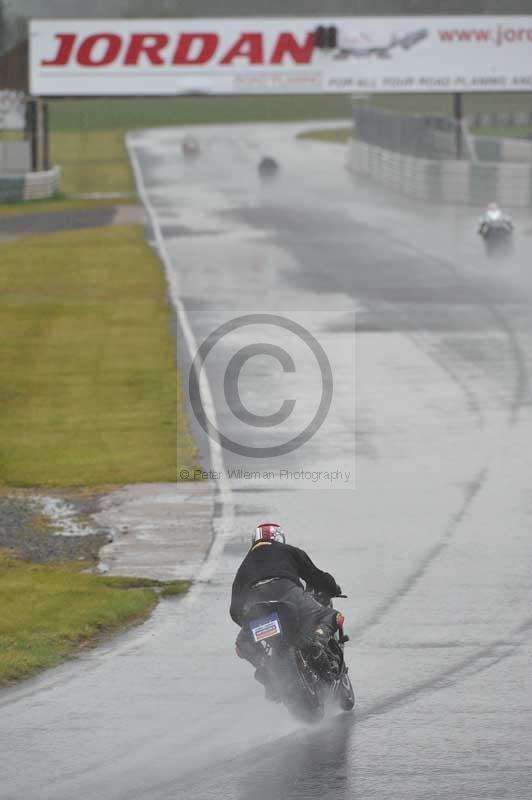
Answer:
x=74 y=116
x=92 y=161
x=164 y=588
x=343 y=135
x=87 y=136
x=474 y=103
x=89 y=393
x=50 y=612
x=173 y=588
x=520 y=132
x=338 y=135
x=59 y=203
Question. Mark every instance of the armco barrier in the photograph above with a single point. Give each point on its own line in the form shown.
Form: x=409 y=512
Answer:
x=31 y=186
x=11 y=188
x=444 y=181
x=488 y=148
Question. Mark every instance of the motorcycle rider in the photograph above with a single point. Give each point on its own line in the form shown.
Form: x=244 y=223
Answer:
x=493 y=215
x=273 y=570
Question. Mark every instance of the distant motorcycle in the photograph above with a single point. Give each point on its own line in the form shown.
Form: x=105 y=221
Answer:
x=190 y=147
x=303 y=674
x=496 y=229
x=268 y=168
x=497 y=236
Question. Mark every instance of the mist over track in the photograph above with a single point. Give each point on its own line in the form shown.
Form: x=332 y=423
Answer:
x=433 y=545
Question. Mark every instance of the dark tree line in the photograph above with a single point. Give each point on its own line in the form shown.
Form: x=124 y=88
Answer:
x=14 y=13
x=186 y=8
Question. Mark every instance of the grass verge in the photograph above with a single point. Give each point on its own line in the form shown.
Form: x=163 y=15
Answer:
x=89 y=392
x=441 y=103
x=50 y=612
x=88 y=135
x=74 y=116
x=338 y=135
x=93 y=161
x=60 y=203
x=521 y=132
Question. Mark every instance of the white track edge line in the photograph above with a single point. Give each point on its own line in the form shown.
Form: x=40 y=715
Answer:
x=223 y=526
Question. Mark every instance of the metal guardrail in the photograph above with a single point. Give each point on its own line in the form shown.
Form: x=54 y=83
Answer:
x=440 y=138
x=444 y=181
x=497 y=119
x=420 y=135
x=29 y=186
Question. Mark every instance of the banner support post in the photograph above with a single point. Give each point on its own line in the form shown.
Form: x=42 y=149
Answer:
x=31 y=132
x=458 y=110
x=45 y=136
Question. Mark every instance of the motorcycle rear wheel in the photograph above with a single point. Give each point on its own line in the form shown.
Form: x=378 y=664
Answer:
x=345 y=693
x=301 y=694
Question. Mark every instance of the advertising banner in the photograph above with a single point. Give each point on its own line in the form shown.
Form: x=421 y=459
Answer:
x=280 y=55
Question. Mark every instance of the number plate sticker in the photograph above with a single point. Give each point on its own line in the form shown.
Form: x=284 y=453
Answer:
x=265 y=627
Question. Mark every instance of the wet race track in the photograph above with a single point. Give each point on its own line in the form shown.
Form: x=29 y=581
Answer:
x=431 y=540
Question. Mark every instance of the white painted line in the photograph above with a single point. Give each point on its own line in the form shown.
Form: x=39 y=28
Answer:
x=223 y=526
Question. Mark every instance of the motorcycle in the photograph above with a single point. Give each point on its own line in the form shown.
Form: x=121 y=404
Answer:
x=497 y=236
x=190 y=147
x=302 y=675
x=268 y=168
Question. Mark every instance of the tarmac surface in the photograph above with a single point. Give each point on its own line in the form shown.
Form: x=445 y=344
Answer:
x=430 y=538
x=17 y=226
x=159 y=530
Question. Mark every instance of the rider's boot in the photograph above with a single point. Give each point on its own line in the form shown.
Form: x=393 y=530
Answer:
x=319 y=647
x=255 y=655
x=264 y=676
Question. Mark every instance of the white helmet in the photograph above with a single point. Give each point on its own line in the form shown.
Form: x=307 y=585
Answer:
x=493 y=211
x=270 y=531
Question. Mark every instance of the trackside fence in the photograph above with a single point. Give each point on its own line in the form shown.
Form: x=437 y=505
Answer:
x=435 y=159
